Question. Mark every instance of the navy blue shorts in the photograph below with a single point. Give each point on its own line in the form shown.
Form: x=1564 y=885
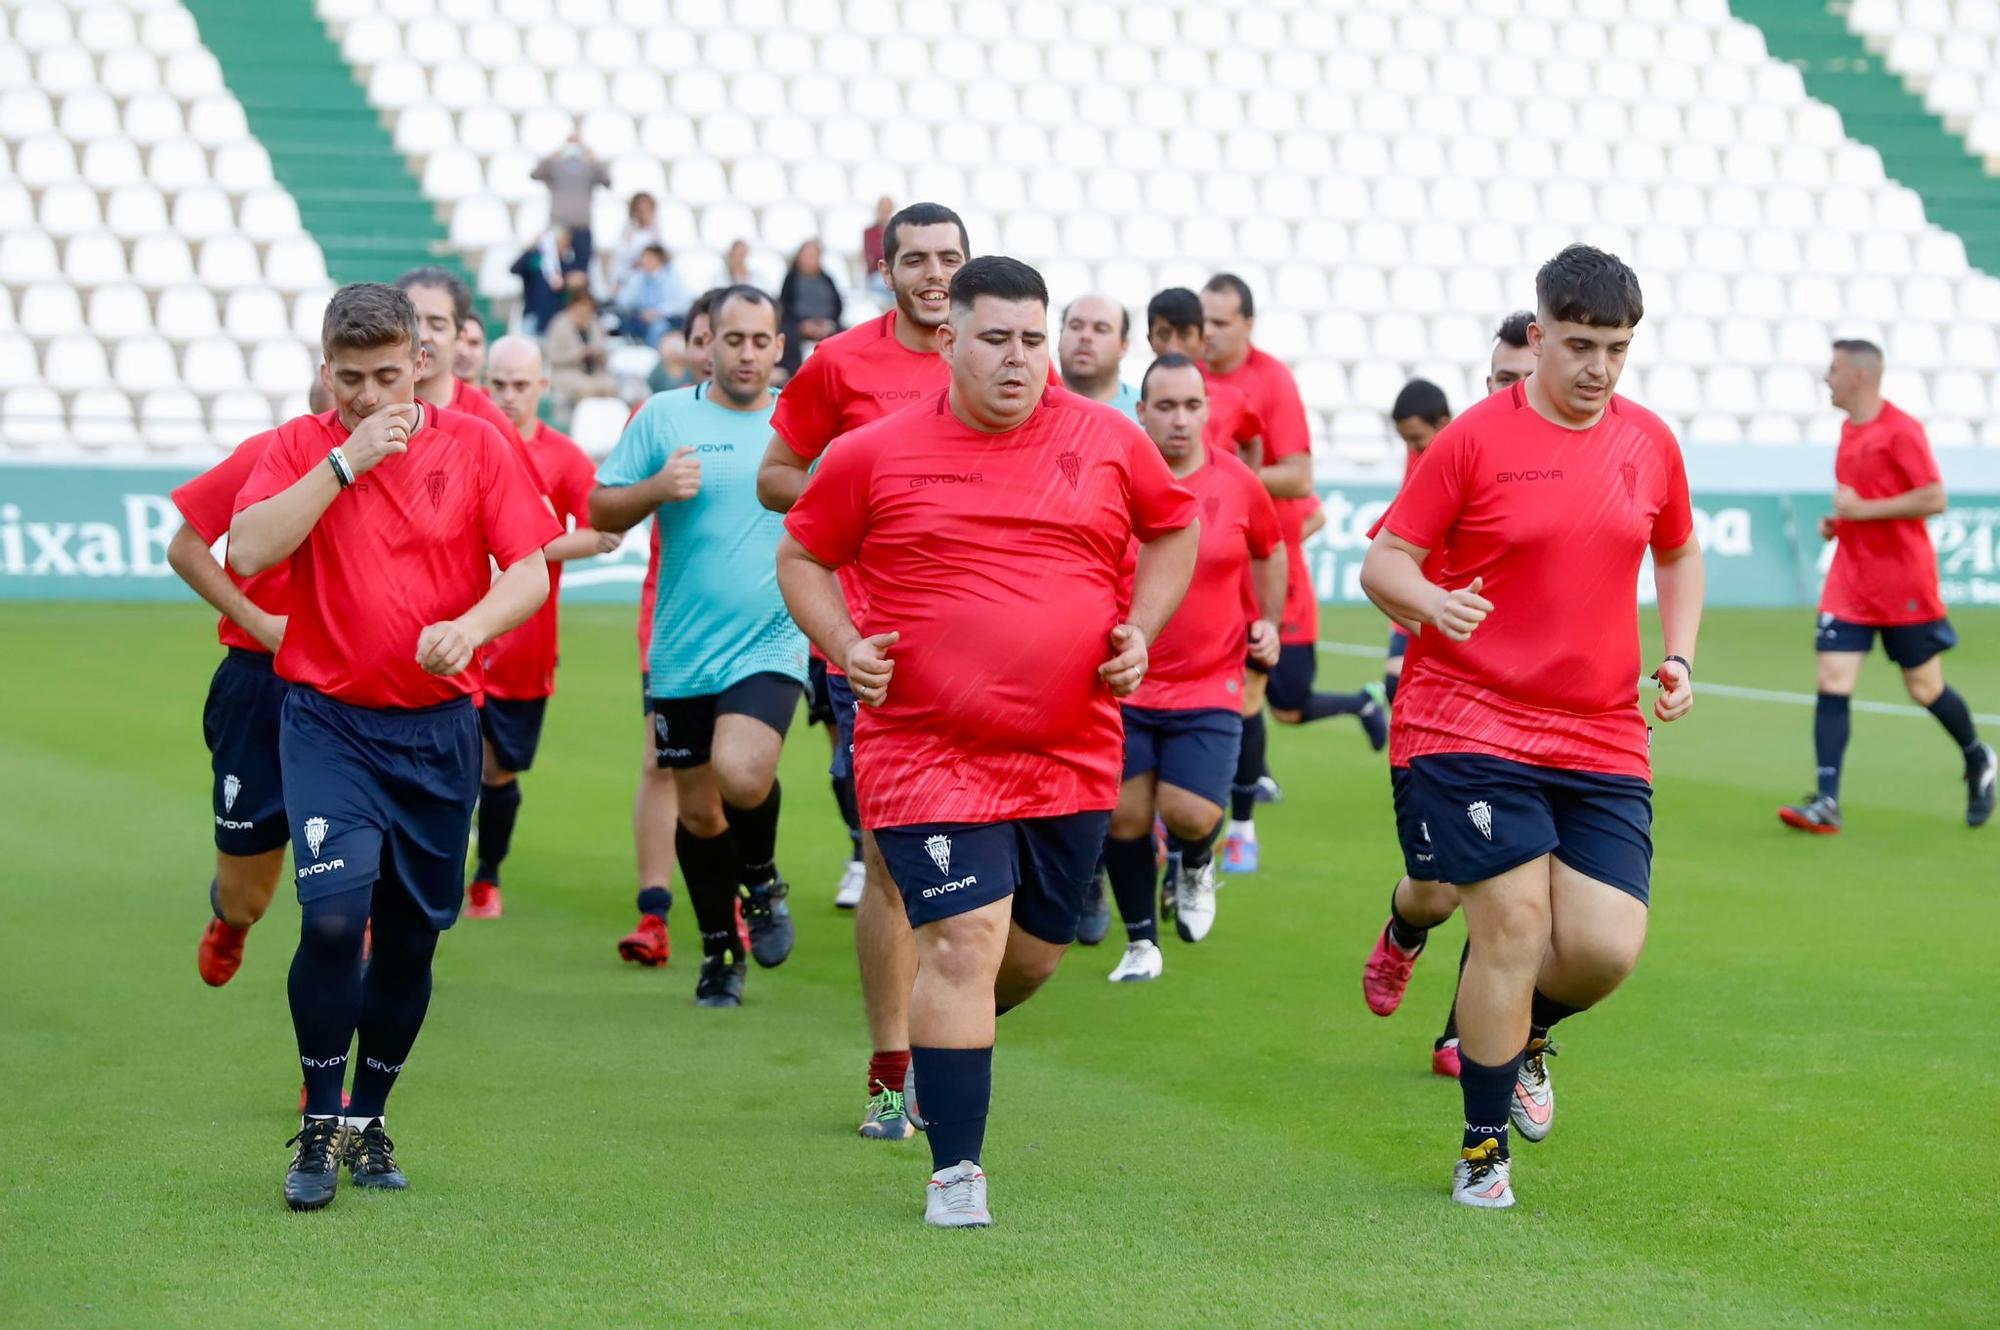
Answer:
x=840 y=697
x=240 y=723
x=1485 y=815
x=1193 y=750
x=1045 y=863
x=514 y=728
x=1292 y=677
x=1399 y=643
x=1909 y=645
x=1419 y=860
x=381 y=793
x=684 y=727
x=819 y=704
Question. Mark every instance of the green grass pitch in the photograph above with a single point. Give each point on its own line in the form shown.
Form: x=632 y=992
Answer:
x=1781 y=1119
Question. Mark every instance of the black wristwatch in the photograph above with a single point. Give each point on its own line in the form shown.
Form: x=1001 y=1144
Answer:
x=1682 y=661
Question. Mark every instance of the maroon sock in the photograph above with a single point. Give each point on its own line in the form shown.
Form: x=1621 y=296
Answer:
x=886 y=1071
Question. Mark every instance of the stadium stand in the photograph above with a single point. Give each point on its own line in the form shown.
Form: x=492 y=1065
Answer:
x=157 y=291
x=1377 y=174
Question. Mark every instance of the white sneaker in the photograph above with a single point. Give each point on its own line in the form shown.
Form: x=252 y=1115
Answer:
x=1483 y=1180
x=1194 y=903
x=852 y=879
x=1142 y=961
x=957 y=1197
x=1532 y=1110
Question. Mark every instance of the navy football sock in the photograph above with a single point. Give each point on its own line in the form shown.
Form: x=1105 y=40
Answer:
x=325 y=992
x=1486 y=1091
x=656 y=901
x=1956 y=717
x=710 y=865
x=850 y=811
x=1389 y=682
x=1249 y=765
x=1194 y=853
x=1545 y=1013
x=957 y=1089
x=395 y=995
x=499 y=805
x=1128 y=862
x=1321 y=705
x=1402 y=932
x=1832 y=723
x=756 y=831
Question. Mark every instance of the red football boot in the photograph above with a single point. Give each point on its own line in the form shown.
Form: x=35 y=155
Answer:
x=482 y=900
x=221 y=952
x=1387 y=974
x=647 y=944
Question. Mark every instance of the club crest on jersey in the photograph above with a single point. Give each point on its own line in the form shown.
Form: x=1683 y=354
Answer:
x=434 y=483
x=1481 y=814
x=231 y=787
x=1071 y=464
x=1629 y=473
x=315 y=830
x=1210 y=506
x=939 y=849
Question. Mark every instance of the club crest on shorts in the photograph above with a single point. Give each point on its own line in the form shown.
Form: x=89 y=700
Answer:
x=434 y=483
x=315 y=830
x=1071 y=464
x=1481 y=814
x=231 y=787
x=939 y=849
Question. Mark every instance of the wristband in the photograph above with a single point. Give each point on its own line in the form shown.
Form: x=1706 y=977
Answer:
x=1682 y=661
x=342 y=472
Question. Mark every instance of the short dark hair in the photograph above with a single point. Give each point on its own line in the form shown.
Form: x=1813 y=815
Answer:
x=754 y=295
x=1584 y=284
x=1180 y=307
x=1124 y=316
x=1423 y=400
x=1513 y=329
x=1229 y=281
x=703 y=305
x=1171 y=360
x=443 y=279
x=364 y=316
x=1859 y=347
x=998 y=276
x=473 y=316
x=660 y=250
x=921 y=214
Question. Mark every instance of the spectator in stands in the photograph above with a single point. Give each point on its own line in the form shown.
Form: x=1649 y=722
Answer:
x=641 y=231
x=573 y=175
x=579 y=354
x=811 y=304
x=652 y=300
x=736 y=265
x=468 y=362
x=545 y=268
x=871 y=246
x=674 y=369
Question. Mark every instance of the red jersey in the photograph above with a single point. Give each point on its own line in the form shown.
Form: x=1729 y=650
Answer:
x=1232 y=422
x=1884 y=574
x=405 y=548
x=473 y=400
x=997 y=558
x=1274 y=396
x=1197 y=664
x=521 y=665
x=850 y=379
x=1557 y=522
x=207 y=502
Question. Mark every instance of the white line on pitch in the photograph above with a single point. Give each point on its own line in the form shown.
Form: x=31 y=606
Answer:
x=1719 y=689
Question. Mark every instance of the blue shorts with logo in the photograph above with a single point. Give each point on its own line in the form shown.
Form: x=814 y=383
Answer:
x=1909 y=644
x=1046 y=864
x=514 y=728
x=240 y=723
x=381 y=793
x=1291 y=679
x=1419 y=860
x=684 y=727
x=840 y=699
x=1193 y=750
x=1399 y=643
x=1485 y=815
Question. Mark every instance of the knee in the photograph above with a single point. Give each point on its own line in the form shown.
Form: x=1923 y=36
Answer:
x=1286 y=717
x=962 y=952
x=1129 y=823
x=705 y=821
x=492 y=773
x=1425 y=902
x=1513 y=933
x=743 y=785
x=333 y=933
x=1924 y=688
x=1604 y=959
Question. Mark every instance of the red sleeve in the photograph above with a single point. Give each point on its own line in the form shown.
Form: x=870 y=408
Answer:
x=1911 y=452
x=1285 y=432
x=1249 y=427
x=1675 y=522
x=285 y=459
x=1158 y=503
x=512 y=510
x=806 y=417
x=578 y=478
x=831 y=516
x=1263 y=530
x=1432 y=499
x=209 y=500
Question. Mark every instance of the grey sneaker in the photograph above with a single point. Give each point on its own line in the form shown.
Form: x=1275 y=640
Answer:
x=887 y=1120
x=1532 y=1110
x=1482 y=1179
x=1979 y=786
x=956 y=1197
x=1819 y=814
x=1194 y=904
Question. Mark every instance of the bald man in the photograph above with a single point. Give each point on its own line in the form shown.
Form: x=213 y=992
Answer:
x=1096 y=333
x=521 y=666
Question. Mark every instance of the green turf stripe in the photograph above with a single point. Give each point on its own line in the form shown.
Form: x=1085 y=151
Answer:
x=1917 y=149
